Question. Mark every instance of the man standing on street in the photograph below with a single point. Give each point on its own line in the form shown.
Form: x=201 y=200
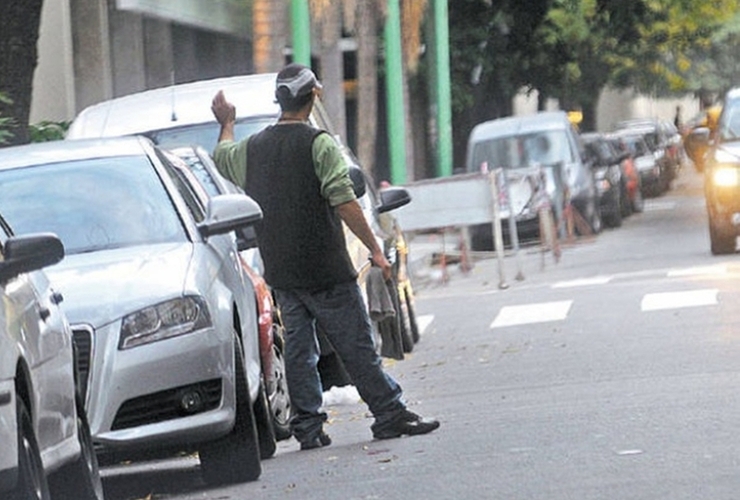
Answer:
x=300 y=178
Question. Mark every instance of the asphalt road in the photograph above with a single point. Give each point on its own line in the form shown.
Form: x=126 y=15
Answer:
x=612 y=374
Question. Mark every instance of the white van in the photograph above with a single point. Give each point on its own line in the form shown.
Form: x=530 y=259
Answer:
x=521 y=144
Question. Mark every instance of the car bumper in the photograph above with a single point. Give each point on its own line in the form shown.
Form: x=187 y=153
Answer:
x=139 y=398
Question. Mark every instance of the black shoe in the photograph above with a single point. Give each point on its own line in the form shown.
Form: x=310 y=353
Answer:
x=322 y=439
x=408 y=423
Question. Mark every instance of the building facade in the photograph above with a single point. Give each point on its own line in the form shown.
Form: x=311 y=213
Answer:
x=93 y=50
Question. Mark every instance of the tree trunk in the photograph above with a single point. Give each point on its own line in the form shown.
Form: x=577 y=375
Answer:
x=367 y=83
x=19 y=33
x=269 y=25
x=332 y=66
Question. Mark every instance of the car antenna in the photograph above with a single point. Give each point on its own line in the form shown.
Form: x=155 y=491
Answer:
x=173 y=116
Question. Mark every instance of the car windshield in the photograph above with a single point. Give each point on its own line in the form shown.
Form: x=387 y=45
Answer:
x=91 y=204
x=729 y=122
x=636 y=146
x=206 y=134
x=520 y=151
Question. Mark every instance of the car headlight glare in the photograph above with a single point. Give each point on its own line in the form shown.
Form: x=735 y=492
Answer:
x=725 y=177
x=163 y=321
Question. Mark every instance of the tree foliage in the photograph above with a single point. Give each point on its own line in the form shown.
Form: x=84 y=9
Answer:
x=19 y=32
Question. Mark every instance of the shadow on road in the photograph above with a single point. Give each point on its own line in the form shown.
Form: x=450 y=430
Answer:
x=152 y=480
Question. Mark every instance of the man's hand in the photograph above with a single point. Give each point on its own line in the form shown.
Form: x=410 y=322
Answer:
x=378 y=259
x=223 y=110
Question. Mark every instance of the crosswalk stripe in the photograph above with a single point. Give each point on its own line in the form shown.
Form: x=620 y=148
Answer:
x=698 y=271
x=532 y=313
x=675 y=300
x=596 y=280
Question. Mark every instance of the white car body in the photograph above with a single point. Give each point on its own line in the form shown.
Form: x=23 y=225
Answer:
x=38 y=390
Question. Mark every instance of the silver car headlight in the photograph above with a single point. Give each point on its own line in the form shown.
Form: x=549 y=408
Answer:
x=163 y=321
x=726 y=176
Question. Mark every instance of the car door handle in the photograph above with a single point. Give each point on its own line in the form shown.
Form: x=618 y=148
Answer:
x=56 y=298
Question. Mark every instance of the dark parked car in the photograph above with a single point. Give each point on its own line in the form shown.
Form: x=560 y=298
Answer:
x=722 y=175
x=633 y=201
x=607 y=172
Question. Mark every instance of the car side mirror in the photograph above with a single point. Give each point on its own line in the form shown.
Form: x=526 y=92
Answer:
x=229 y=212
x=23 y=254
x=359 y=184
x=392 y=198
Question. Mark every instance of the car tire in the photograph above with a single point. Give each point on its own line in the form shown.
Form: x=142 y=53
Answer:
x=32 y=483
x=235 y=458
x=277 y=394
x=80 y=480
x=722 y=241
x=263 y=420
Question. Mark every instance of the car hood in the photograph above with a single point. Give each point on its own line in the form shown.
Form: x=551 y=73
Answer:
x=101 y=287
x=728 y=153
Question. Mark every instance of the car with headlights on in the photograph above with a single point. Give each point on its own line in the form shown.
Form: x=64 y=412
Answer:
x=46 y=445
x=163 y=316
x=722 y=174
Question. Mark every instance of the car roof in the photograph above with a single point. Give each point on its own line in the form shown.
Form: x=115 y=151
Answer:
x=61 y=151
x=175 y=106
x=517 y=125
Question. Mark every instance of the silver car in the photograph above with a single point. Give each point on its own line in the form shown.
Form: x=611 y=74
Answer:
x=45 y=439
x=163 y=315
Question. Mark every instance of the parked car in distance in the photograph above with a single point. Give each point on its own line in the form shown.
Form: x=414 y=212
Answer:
x=545 y=140
x=163 y=317
x=180 y=115
x=633 y=200
x=651 y=177
x=607 y=171
x=722 y=174
x=46 y=445
x=664 y=142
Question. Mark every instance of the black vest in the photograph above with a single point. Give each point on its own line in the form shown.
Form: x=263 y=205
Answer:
x=301 y=237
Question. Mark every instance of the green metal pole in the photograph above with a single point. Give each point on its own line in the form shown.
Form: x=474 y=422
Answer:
x=300 y=19
x=394 y=94
x=443 y=92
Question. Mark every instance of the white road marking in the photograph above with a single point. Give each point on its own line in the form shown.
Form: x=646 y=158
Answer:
x=423 y=322
x=532 y=313
x=675 y=300
x=596 y=280
x=698 y=271
x=654 y=206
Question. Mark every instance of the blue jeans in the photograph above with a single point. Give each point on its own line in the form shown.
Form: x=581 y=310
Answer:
x=342 y=315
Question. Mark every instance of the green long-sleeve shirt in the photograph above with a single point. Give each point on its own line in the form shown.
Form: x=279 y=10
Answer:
x=330 y=164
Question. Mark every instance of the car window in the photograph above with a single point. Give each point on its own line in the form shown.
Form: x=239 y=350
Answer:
x=177 y=171
x=206 y=134
x=92 y=204
x=729 y=122
x=519 y=151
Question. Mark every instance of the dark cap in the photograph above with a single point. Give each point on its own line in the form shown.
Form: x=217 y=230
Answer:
x=298 y=79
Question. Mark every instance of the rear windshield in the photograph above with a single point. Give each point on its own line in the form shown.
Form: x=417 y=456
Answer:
x=520 y=151
x=206 y=134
